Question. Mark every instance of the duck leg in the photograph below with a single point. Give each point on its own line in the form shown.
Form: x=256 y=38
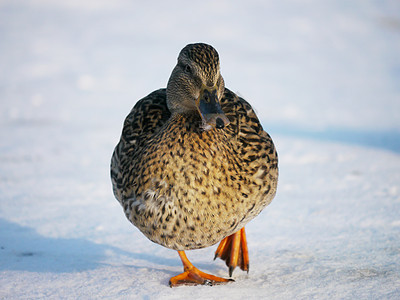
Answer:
x=233 y=250
x=193 y=276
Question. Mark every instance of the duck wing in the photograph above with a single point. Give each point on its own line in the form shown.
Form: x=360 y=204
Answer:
x=147 y=117
x=252 y=142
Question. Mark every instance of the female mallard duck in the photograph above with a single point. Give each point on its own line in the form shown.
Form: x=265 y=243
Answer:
x=194 y=165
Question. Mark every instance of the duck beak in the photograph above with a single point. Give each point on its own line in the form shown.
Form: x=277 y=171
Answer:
x=210 y=108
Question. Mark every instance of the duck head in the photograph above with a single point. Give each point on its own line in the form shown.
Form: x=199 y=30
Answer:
x=196 y=86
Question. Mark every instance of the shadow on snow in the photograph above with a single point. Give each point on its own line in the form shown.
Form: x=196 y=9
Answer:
x=22 y=248
x=387 y=140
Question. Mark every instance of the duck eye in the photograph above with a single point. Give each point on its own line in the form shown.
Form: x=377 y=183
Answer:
x=188 y=69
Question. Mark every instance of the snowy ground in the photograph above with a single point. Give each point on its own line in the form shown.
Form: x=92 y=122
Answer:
x=325 y=81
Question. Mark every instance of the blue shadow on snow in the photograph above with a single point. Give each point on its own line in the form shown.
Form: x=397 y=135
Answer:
x=387 y=140
x=22 y=248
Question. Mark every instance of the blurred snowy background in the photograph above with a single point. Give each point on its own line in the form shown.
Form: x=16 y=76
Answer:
x=324 y=78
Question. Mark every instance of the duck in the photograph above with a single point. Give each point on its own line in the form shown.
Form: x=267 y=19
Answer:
x=193 y=166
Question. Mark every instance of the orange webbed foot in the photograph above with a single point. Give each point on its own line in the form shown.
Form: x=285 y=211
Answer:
x=193 y=276
x=233 y=250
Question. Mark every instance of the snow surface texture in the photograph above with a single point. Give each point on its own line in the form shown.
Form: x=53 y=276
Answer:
x=324 y=77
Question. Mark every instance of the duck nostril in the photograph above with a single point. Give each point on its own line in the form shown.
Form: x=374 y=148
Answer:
x=219 y=123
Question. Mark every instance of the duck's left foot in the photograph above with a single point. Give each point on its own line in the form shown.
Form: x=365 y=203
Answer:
x=196 y=277
x=193 y=276
x=233 y=250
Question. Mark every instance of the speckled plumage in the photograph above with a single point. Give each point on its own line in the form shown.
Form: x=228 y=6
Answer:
x=186 y=186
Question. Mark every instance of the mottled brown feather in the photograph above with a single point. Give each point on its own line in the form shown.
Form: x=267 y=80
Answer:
x=186 y=188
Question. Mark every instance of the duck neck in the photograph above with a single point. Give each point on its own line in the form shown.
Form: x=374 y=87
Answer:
x=187 y=128
x=187 y=122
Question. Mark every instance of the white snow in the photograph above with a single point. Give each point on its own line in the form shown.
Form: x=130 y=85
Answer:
x=324 y=78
